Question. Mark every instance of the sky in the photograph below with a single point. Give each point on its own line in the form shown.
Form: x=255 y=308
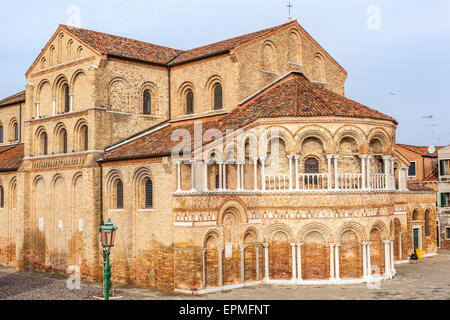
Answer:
x=396 y=52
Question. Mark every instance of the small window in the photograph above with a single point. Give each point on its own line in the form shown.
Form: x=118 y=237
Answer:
x=311 y=166
x=445 y=167
x=1 y=134
x=412 y=169
x=217 y=181
x=189 y=102
x=218 y=97
x=64 y=141
x=445 y=200
x=147 y=101
x=149 y=194
x=66 y=99
x=119 y=195
x=427 y=223
x=2 y=198
x=447 y=233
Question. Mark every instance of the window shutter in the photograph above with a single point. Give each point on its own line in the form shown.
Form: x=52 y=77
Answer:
x=1 y=134
x=441 y=165
x=443 y=204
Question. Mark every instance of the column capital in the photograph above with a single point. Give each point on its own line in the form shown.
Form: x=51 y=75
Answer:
x=364 y=243
x=263 y=158
x=265 y=245
x=336 y=156
x=242 y=247
x=297 y=157
x=330 y=156
x=400 y=233
x=299 y=245
x=290 y=156
x=254 y=159
x=363 y=156
x=53 y=99
x=331 y=244
x=220 y=249
x=387 y=241
x=293 y=245
x=385 y=157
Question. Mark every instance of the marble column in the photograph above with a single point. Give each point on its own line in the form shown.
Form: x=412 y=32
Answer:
x=220 y=164
x=363 y=171
x=205 y=175
x=54 y=105
x=369 y=262
x=257 y=263
x=220 y=267
x=238 y=176
x=224 y=180
x=336 y=172
x=386 y=172
x=294 y=262
x=332 y=269
x=243 y=176
x=369 y=178
x=391 y=249
x=297 y=186
x=400 y=253
x=193 y=189
x=179 y=175
x=336 y=262
x=263 y=174
x=242 y=248
x=364 y=254
x=330 y=173
x=291 y=180
x=299 y=261
x=255 y=174
x=71 y=102
x=266 y=262
x=387 y=262
x=38 y=111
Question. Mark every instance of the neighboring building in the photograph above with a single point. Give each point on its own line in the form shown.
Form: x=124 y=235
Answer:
x=444 y=197
x=302 y=190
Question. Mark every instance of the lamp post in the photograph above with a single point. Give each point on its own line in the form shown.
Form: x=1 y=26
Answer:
x=108 y=235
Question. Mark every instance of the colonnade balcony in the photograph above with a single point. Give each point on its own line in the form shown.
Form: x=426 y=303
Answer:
x=253 y=175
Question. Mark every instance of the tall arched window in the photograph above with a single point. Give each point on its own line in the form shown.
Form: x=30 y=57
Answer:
x=63 y=141
x=1 y=134
x=16 y=132
x=2 y=197
x=427 y=223
x=119 y=194
x=66 y=98
x=85 y=142
x=189 y=102
x=148 y=194
x=218 y=97
x=44 y=143
x=147 y=102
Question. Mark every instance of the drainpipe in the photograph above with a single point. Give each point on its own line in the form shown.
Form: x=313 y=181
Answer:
x=170 y=95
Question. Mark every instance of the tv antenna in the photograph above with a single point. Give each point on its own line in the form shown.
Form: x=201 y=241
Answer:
x=432 y=125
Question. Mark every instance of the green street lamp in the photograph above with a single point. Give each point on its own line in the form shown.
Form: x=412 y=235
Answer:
x=108 y=235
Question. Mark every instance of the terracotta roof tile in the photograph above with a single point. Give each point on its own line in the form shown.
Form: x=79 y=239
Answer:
x=421 y=150
x=124 y=47
x=14 y=99
x=295 y=96
x=11 y=157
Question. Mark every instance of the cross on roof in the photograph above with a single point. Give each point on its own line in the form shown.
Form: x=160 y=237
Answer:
x=290 y=6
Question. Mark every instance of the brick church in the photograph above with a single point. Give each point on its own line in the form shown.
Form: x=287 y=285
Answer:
x=234 y=164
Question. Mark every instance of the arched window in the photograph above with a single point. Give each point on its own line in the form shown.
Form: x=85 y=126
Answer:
x=415 y=215
x=189 y=102
x=16 y=132
x=147 y=102
x=218 y=97
x=44 y=143
x=119 y=194
x=63 y=141
x=85 y=142
x=1 y=134
x=148 y=194
x=2 y=197
x=217 y=181
x=66 y=98
x=427 y=223
x=311 y=166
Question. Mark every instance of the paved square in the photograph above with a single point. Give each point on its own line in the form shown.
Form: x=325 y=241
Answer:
x=429 y=279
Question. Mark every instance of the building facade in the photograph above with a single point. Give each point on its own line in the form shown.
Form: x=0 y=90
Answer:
x=444 y=197
x=232 y=164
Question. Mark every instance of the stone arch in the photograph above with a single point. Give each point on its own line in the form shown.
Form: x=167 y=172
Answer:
x=269 y=56
x=314 y=131
x=13 y=129
x=69 y=50
x=319 y=72
x=12 y=194
x=251 y=232
x=382 y=136
x=78 y=85
x=112 y=178
x=236 y=207
x=183 y=92
x=380 y=225
x=44 y=97
x=60 y=139
x=140 y=178
x=294 y=46
x=350 y=131
x=81 y=135
x=279 y=237
x=119 y=95
x=61 y=87
x=275 y=132
x=154 y=97
x=211 y=85
x=357 y=228
x=315 y=227
x=41 y=141
x=252 y=138
x=272 y=229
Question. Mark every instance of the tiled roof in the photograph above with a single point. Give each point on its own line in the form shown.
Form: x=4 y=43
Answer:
x=14 y=99
x=420 y=150
x=124 y=47
x=222 y=46
x=11 y=157
x=292 y=96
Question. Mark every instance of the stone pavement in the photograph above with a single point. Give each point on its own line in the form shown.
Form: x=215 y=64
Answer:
x=430 y=279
